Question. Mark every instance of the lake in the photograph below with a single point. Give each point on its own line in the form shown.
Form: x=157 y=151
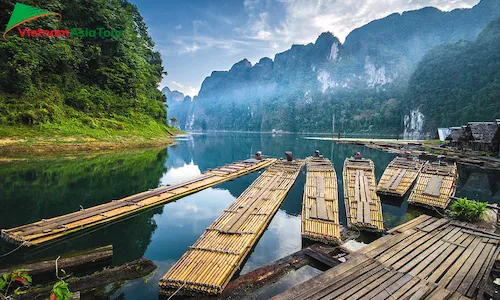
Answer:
x=48 y=187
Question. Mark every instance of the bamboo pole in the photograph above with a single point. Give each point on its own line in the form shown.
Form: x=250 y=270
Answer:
x=447 y=189
x=212 y=261
x=50 y=229
x=354 y=168
x=326 y=231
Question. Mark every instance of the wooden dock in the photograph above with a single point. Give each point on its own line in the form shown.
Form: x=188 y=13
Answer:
x=363 y=207
x=216 y=256
x=399 y=176
x=435 y=185
x=320 y=207
x=50 y=229
x=426 y=258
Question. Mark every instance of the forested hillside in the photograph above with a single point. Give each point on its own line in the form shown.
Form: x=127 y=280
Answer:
x=363 y=81
x=459 y=82
x=80 y=85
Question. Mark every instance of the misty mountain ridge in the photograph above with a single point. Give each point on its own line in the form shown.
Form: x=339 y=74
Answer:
x=370 y=70
x=177 y=102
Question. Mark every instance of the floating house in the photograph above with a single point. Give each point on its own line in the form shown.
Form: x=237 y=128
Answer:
x=455 y=136
x=477 y=136
x=483 y=136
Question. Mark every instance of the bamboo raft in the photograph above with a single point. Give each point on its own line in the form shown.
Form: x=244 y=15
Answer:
x=50 y=229
x=399 y=176
x=435 y=185
x=426 y=258
x=208 y=266
x=363 y=207
x=320 y=208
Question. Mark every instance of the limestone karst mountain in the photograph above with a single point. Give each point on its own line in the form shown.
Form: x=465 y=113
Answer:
x=363 y=81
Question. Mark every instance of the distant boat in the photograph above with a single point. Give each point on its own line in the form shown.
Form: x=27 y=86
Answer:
x=399 y=176
x=363 y=207
x=435 y=185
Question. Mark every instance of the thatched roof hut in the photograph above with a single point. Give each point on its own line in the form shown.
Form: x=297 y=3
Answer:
x=483 y=136
x=456 y=133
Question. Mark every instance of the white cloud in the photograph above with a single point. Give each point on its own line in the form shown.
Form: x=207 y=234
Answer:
x=191 y=44
x=217 y=17
x=305 y=20
x=274 y=45
x=190 y=49
x=187 y=90
x=179 y=26
x=274 y=25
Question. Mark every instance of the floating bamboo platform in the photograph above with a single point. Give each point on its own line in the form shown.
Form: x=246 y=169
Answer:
x=426 y=258
x=216 y=256
x=320 y=207
x=50 y=229
x=399 y=176
x=362 y=204
x=435 y=185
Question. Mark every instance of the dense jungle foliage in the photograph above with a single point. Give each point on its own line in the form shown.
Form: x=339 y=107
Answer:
x=459 y=82
x=75 y=85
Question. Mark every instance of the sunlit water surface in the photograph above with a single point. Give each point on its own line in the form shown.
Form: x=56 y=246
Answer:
x=50 y=187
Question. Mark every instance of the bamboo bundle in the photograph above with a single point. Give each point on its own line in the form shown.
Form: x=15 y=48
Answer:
x=435 y=185
x=50 y=229
x=363 y=207
x=320 y=208
x=399 y=176
x=215 y=257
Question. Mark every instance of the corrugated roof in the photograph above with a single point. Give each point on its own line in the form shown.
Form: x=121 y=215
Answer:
x=443 y=133
x=487 y=123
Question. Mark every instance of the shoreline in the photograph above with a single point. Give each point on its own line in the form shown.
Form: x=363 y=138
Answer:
x=427 y=150
x=366 y=140
x=20 y=148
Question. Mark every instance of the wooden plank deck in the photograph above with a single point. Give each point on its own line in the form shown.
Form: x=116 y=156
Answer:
x=216 y=256
x=320 y=208
x=399 y=176
x=363 y=207
x=50 y=229
x=426 y=258
x=435 y=185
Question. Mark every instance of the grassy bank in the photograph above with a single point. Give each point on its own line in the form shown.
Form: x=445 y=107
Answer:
x=75 y=136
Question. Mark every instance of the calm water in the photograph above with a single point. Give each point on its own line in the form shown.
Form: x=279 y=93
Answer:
x=42 y=189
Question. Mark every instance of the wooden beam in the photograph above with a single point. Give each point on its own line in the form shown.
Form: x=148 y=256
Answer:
x=75 y=261
x=132 y=270
x=434 y=186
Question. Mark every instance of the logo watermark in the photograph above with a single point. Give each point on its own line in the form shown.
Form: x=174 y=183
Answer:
x=23 y=13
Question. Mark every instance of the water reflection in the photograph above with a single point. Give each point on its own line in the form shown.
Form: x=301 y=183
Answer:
x=180 y=173
x=47 y=188
x=42 y=189
x=478 y=184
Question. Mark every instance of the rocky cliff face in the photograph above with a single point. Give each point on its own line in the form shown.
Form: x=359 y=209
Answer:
x=178 y=106
x=172 y=96
x=361 y=81
x=458 y=82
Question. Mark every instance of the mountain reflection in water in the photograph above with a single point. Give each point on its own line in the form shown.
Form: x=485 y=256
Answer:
x=51 y=187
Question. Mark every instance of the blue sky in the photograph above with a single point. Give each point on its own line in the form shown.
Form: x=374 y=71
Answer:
x=196 y=37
